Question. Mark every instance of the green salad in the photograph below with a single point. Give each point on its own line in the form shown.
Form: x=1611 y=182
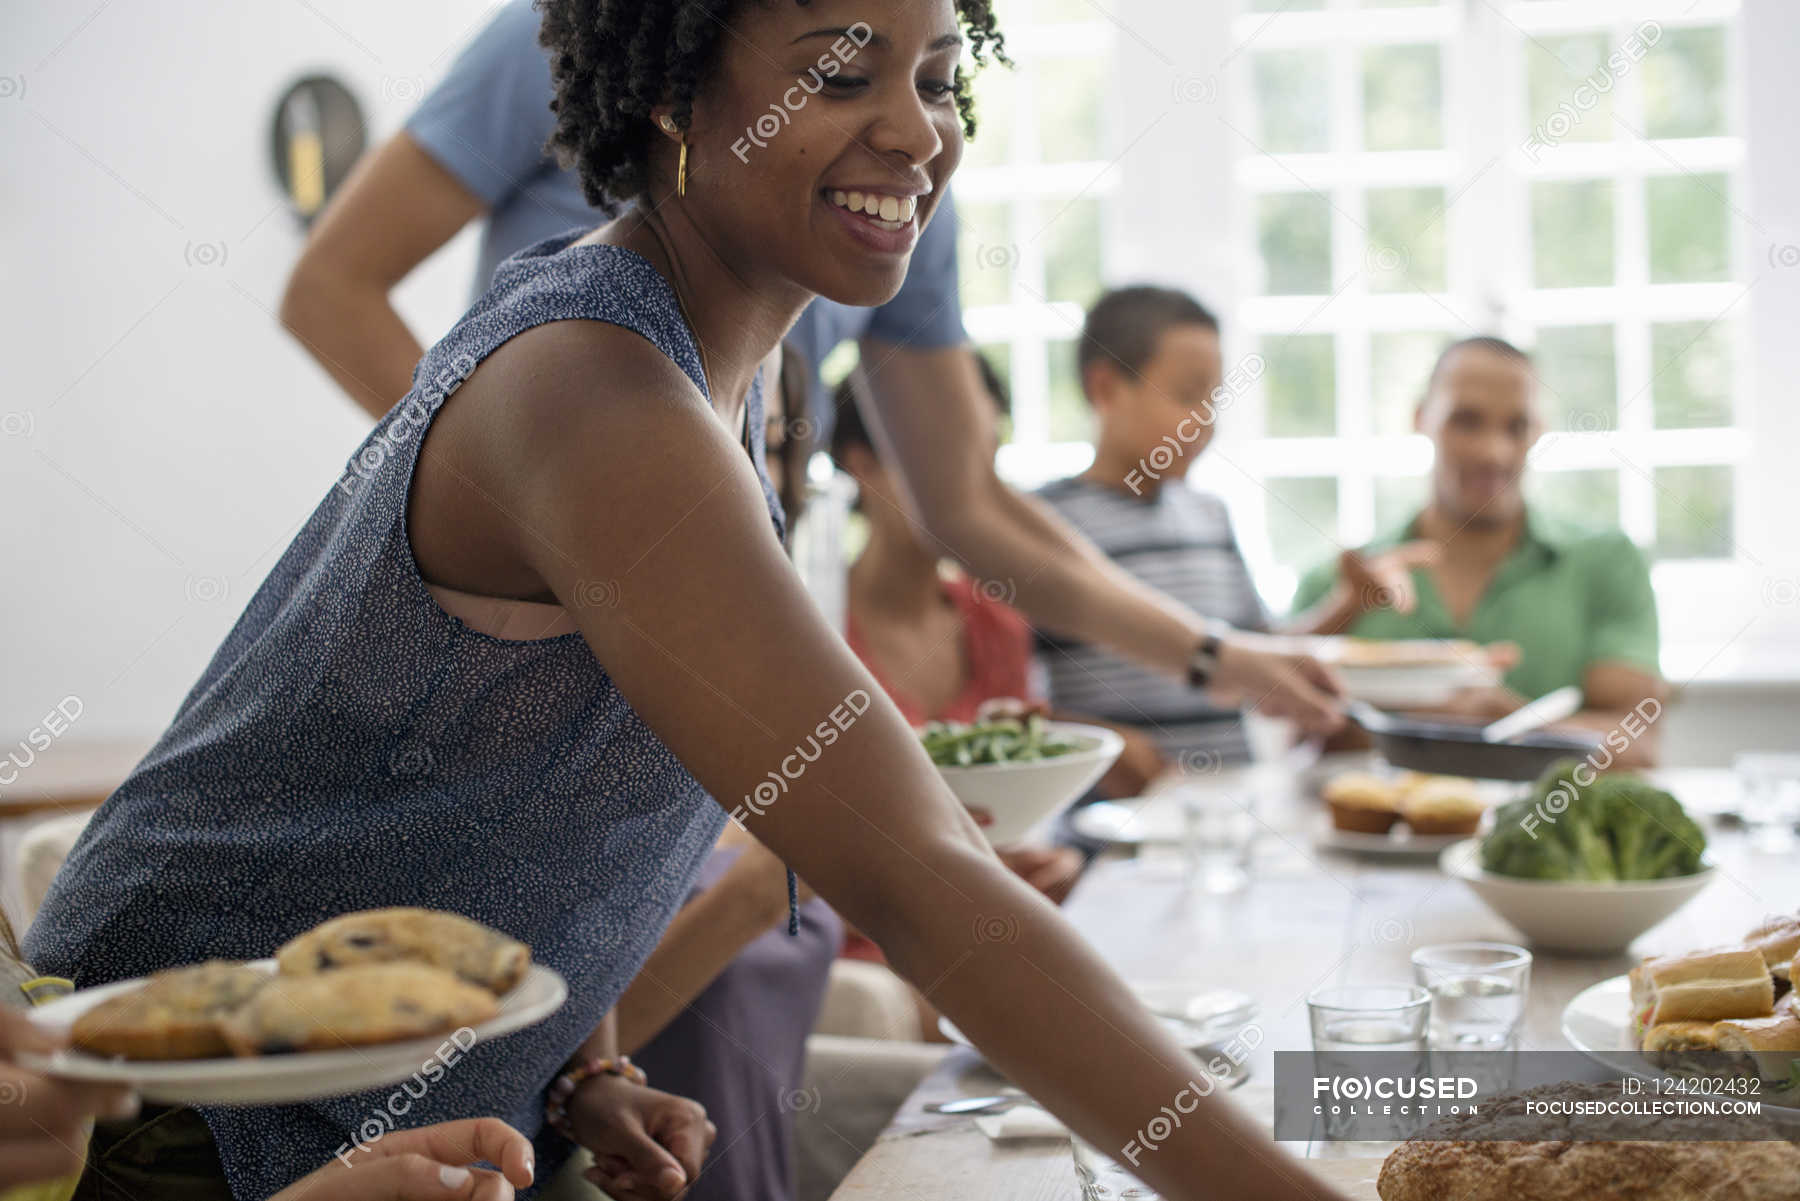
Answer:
x=996 y=740
x=1613 y=828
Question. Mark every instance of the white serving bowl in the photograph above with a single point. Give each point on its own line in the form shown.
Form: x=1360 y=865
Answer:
x=1576 y=916
x=1017 y=796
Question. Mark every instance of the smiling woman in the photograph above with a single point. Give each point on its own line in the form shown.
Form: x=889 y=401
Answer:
x=355 y=745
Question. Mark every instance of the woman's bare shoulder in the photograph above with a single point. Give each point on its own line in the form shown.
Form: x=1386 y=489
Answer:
x=562 y=416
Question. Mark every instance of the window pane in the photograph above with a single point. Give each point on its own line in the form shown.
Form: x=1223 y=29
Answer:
x=1693 y=381
x=996 y=99
x=1071 y=248
x=1693 y=512
x=1071 y=420
x=1293 y=102
x=1299 y=386
x=1071 y=101
x=1569 y=89
x=1398 y=499
x=1689 y=237
x=1587 y=498
x=1296 y=243
x=1684 y=85
x=1302 y=520
x=1399 y=366
x=1403 y=98
x=1578 y=378
x=1572 y=234
x=985 y=253
x=1406 y=240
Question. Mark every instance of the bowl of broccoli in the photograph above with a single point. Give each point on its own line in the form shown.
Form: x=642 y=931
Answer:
x=1585 y=867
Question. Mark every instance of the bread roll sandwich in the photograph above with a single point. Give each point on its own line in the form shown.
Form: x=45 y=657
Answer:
x=1701 y=986
x=1778 y=939
x=1770 y=1045
x=1667 y=1044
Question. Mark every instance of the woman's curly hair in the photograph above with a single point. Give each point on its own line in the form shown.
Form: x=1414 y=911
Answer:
x=614 y=60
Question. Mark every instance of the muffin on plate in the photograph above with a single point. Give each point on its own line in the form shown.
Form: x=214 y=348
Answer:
x=1442 y=805
x=476 y=953
x=175 y=1015
x=1362 y=803
x=355 y=1006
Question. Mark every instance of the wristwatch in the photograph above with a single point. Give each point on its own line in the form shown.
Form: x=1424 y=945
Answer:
x=1204 y=662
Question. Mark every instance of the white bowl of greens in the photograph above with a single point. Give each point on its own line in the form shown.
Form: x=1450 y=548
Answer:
x=1585 y=868
x=1012 y=772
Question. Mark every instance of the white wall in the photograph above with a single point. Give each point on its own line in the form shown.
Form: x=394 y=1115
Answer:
x=160 y=437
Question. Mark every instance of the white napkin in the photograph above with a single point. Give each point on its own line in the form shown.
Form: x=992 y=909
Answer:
x=1020 y=1122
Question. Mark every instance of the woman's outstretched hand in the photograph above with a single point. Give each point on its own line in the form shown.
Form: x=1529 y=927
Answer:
x=429 y=1163
x=43 y=1121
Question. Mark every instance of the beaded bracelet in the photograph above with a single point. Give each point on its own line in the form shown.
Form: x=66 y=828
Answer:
x=556 y=1102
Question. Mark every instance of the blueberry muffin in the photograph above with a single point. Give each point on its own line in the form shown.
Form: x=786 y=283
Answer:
x=175 y=1015
x=356 y=1006
x=454 y=943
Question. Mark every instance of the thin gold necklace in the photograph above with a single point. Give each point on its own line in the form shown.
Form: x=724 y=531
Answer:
x=693 y=329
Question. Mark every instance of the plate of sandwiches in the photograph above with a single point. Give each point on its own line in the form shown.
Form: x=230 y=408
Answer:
x=1408 y=814
x=1722 y=1009
x=364 y=1000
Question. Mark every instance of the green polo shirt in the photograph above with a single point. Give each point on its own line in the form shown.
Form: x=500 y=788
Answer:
x=1568 y=596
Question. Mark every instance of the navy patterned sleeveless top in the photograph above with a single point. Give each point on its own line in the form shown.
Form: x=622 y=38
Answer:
x=352 y=745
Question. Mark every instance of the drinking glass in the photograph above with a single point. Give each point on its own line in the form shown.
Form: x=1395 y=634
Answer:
x=1218 y=833
x=1350 y=1019
x=1478 y=992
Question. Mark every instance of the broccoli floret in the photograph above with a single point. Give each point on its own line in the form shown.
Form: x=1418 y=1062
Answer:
x=1617 y=827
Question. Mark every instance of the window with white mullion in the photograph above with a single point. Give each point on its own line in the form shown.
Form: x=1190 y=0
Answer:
x=1631 y=250
x=1028 y=358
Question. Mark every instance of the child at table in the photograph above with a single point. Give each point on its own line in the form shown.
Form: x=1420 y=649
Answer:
x=1150 y=365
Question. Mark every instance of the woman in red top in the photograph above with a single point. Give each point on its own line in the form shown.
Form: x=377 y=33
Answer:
x=939 y=643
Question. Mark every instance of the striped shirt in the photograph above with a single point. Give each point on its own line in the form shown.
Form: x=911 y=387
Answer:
x=1180 y=542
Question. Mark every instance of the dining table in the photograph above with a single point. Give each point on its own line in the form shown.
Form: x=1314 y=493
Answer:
x=1310 y=916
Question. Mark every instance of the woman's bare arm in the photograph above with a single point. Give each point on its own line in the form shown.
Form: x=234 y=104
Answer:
x=627 y=498
x=397 y=207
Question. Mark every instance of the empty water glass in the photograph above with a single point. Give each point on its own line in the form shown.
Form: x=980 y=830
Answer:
x=1218 y=834
x=1478 y=992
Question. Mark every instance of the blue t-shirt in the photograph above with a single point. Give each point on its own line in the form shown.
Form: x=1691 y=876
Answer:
x=487 y=124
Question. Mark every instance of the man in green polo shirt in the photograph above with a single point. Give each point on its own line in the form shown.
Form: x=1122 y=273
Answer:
x=1479 y=563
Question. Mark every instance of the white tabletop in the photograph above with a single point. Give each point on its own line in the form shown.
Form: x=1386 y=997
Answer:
x=1309 y=918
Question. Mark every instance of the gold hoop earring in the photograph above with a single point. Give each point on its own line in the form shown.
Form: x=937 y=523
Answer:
x=681 y=169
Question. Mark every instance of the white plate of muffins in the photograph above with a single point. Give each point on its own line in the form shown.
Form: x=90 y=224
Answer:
x=1405 y=814
x=364 y=1000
